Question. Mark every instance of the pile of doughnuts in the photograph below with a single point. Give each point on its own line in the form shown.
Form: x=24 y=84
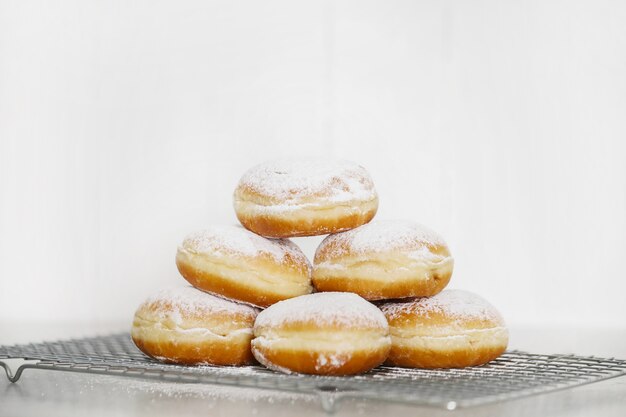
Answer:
x=374 y=293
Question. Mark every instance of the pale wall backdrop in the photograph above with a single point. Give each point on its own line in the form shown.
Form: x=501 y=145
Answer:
x=501 y=124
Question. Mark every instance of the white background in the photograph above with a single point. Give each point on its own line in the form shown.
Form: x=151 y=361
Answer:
x=126 y=125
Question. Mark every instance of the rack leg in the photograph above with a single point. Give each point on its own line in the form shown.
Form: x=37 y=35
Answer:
x=14 y=367
x=329 y=401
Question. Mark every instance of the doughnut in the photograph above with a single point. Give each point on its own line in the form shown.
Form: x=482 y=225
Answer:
x=453 y=329
x=383 y=260
x=323 y=334
x=305 y=197
x=184 y=325
x=232 y=262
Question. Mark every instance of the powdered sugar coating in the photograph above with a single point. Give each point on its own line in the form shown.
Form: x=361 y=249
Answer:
x=381 y=236
x=325 y=309
x=235 y=240
x=195 y=396
x=286 y=181
x=185 y=301
x=456 y=304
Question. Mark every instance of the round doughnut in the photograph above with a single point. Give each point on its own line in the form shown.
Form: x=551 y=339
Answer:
x=323 y=334
x=187 y=326
x=453 y=329
x=383 y=260
x=233 y=262
x=305 y=197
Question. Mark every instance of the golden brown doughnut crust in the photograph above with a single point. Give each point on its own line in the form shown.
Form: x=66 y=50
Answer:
x=430 y=285
x=307 y=360
x=186 y=326
x=407 y=357
x=383 y=260
x=322 y=334
x=454 y=329
x=305 y=197
x=306 y=222
x=271 y=271
x=218 y=352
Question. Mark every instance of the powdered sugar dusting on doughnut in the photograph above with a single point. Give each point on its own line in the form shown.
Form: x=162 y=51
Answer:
x=228 y=240
x=186 y=300
x=325 y=308
x=380 y=236
x=288 y=180
x=458 y=304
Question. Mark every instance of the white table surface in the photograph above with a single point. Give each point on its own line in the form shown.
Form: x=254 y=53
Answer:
x=52 y=393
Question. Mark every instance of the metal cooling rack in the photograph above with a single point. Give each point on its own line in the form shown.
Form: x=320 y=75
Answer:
x=513 y=375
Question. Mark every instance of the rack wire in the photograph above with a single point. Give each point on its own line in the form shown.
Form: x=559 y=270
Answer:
x=513 y=375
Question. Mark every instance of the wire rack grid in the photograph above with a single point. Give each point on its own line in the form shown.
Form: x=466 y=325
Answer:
x=513 y=375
